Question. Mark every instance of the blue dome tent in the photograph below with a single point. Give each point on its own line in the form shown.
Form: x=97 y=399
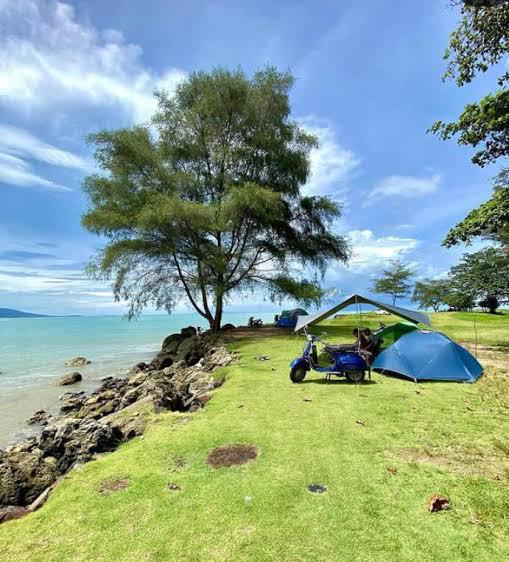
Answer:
x=424 y=355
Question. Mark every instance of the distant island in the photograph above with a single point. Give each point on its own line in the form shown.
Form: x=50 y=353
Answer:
x=12 y=313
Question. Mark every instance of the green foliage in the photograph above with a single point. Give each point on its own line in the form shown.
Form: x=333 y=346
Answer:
x=457 y=299
x=483 y=124
x=431 y=293
x=480 y=41
x=394 y=281
x=482 y=275
x=491 y=219
x=206 y=202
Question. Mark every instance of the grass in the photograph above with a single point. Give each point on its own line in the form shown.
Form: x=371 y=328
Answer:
x=436 y=438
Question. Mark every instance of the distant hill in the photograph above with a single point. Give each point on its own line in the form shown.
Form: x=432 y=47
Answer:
x=11 y=313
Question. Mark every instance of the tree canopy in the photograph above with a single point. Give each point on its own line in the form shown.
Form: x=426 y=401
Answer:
x=206 y=201
x=483 y=275
x=490 y=220
x=431 y=293
x=480 y=41
x=394 y=281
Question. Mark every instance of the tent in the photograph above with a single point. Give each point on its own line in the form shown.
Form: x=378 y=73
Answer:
x=424 y=355
x=391 y=334
x=288 y=318
x=409 y=315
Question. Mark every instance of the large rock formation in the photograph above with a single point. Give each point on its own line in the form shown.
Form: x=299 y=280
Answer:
x=97 y=423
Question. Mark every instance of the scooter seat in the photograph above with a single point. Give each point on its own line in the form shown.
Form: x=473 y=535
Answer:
x=342 y=348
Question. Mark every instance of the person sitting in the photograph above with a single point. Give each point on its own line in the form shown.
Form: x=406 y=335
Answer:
x=368 y=345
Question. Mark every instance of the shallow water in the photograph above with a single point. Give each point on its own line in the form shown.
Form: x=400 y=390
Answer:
x=33 y=352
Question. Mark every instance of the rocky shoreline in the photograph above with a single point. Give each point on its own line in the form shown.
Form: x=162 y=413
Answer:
x=177 y=379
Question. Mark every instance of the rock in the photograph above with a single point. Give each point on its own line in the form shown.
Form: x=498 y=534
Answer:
x=71 y=405
x=12 y=512
x=191 y=350
x=138 y=378
x=70 y=378
x=171 y=343
x=188 y=332
x=108 y=408
x=165 y=360
x=227 y=327
x=74 y=440
x=130 y=397
x=39 y=417
x=130 y=426
x=26 y=446
x=24 y=475
x=78 y=362
x=72 y=395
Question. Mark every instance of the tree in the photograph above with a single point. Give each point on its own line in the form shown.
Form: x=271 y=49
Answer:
x=490 y=220
x=480 y=41
x=431 y=293
x=206 y=201
x=394 y=281
x=459 y=301
x=484 y=275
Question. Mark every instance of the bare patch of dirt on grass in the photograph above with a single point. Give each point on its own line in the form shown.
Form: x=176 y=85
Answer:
x=110 y=486
x=232 y=455
x=488 y=462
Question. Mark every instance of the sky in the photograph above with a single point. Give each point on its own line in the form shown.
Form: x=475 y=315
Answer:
x=368 y=84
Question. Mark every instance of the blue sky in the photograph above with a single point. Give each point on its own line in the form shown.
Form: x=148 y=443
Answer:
x=368 y=84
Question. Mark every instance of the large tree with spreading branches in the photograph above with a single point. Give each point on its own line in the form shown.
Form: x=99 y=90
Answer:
x=206 y=201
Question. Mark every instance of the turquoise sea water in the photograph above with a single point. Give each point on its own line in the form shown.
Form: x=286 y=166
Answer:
x=33 y=352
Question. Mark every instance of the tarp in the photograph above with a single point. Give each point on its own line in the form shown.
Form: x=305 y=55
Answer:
x=424 y=355
x=391 y=334
x=410 y=315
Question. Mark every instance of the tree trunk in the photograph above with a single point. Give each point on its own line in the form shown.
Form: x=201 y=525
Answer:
x=215 y=325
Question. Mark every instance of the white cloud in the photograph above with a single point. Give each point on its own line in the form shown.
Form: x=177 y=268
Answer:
x=18 y=145
x=332 y=165
x=15 y=171
x=370 y=252
x=406 y=187
x=48 y=57
x=18 y=142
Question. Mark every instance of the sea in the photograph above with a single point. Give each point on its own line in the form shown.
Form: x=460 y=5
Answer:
x=33 y=352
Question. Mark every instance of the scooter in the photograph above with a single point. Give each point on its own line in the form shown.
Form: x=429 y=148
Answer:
x=345 y=361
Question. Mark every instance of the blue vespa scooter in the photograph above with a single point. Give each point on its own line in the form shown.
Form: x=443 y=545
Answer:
x=345 y=361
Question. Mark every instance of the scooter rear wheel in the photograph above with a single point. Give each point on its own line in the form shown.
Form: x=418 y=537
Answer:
x=355 y=376
x=298 y=373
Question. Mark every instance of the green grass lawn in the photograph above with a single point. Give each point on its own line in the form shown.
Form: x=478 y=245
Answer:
x=447 y=439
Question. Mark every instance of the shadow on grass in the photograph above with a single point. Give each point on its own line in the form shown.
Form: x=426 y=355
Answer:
x=393 y=375
x=338 y=382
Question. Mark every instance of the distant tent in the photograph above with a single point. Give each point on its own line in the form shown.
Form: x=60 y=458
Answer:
x=391 y=334
x=288 y=318
x=423 y=355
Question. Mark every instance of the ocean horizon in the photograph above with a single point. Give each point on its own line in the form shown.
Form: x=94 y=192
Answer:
x=33 y=352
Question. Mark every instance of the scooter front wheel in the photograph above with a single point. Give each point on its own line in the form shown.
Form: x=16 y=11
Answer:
x=298 y=373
